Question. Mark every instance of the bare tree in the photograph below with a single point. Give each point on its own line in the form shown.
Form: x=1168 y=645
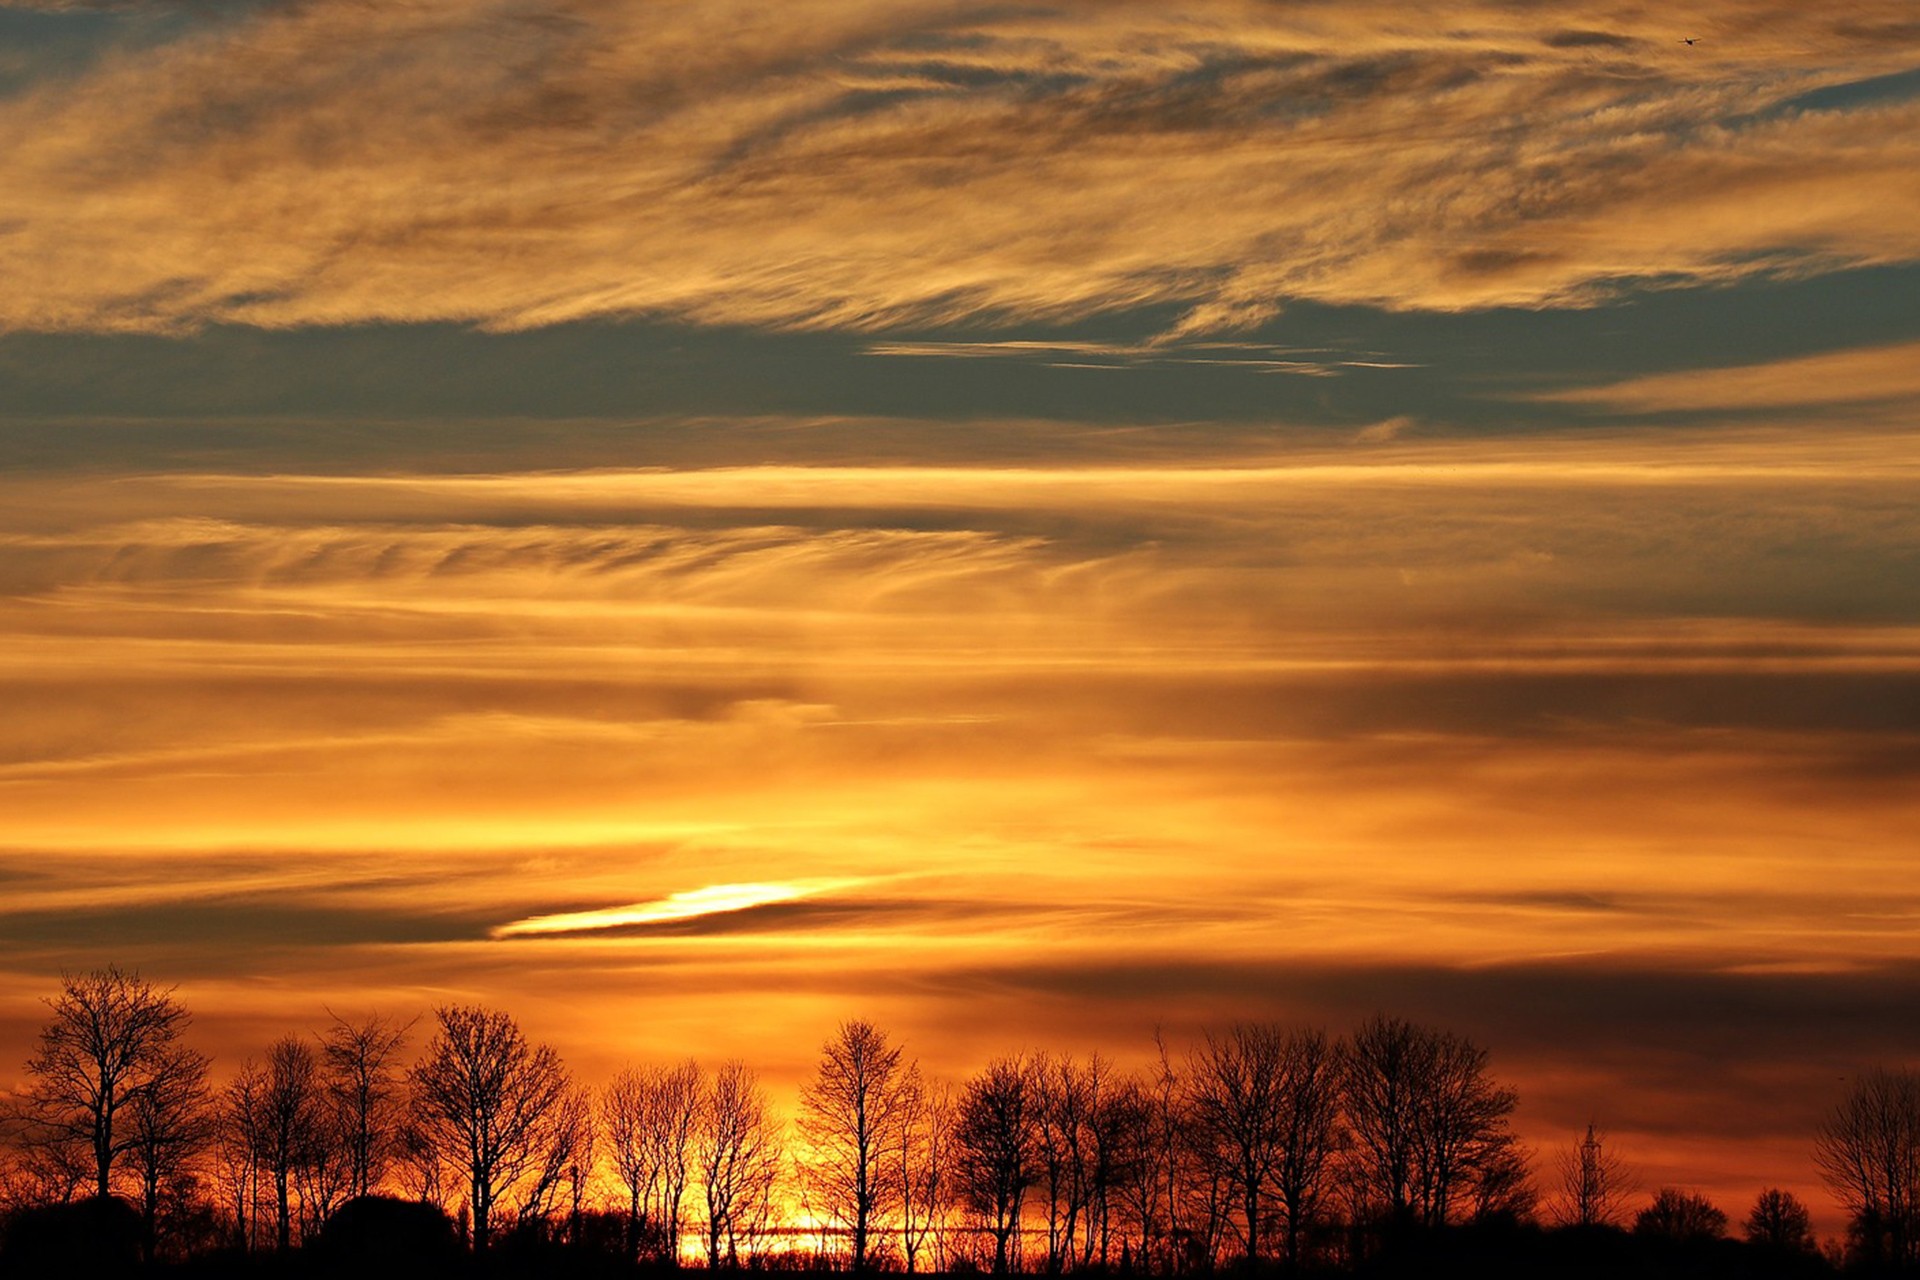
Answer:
x=1233 y=1095
x=1206 y=1204
x=1681 y=1215
x=627 y=1122
x=1062 y=1112
x=45 y=1172
x=850 y=1117
x=417 y=1165
x=1190 y=1199
x=1105 y=1146
x=1502 y=1181
x=1869 y=1156
x=1779 y=1222
x=237 y=1148
x=1165 y=1193
x=1593 y=1183
x=1383 y=1087
x=1463 y=1121
x=172 y=1123
x=291 y=1118
x=994 y=1142
x=324 y=1172
x=1134 y=1158
x=364 y=1082
x=21 y=1187
x=563 y=1163
x=110 y=1034
x=485 y=1100
x=738 y=1150
x=918 y=1167
x=1311 y=1067
x=649 y=1117
x=759 y=1206
x=1264 y=1103
x=1424 y=1113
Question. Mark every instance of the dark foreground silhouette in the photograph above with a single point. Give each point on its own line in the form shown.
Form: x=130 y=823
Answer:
x=1265 y=1149
x=376 y=1237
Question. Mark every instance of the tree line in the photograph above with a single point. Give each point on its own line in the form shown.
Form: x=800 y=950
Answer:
x=1259 y=1146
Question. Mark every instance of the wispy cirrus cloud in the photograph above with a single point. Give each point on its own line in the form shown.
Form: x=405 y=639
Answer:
x=847 y=164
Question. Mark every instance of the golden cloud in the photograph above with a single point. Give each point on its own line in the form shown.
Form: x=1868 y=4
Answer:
x=1883 y=374
x=843 y=163
x=675 y=908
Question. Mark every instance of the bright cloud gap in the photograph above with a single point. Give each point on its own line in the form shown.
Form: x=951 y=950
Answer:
x=711 y=900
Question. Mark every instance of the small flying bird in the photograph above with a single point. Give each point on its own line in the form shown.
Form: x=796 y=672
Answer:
x=1690 y=40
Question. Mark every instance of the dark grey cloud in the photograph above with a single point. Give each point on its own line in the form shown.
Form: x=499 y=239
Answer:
x=1577 y=38
x=1663 y=1048
x=1898 y=87
x=1591 y=709
x=52 y=42
x=238 y=922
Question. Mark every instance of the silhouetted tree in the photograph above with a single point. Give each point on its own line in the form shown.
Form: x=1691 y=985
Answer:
x=172 y=1123
x=110 y=1035
x=1503 y=1186
x=291 y=1120
x=562 y=1166
x=1384 y=1081
x=993 y=1145
x=1064 y=1096
x=363 y=1080
x=417 y=1165
x=1191 y=1196
x=1779 y=1222
x=1312 y=1067
x=1868 y=1151
x=850 y=1117
x=1233 y=1095
x=1593 y=1183
x=1425 y=1113
x=918 y=1166
x=1265 y=1106
x=40 y=1169
x=237 y=1148
x=485 y=1101
x=649 y=1117
x=1681 y=1215
x=1105 y=1146
x=738 y=1149
x=1139 y=1181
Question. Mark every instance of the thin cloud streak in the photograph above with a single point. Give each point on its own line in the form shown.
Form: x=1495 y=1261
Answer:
x=687 y=904
x=1889 y=374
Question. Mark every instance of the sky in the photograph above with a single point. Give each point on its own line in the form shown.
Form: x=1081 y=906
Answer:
x=1033 y=524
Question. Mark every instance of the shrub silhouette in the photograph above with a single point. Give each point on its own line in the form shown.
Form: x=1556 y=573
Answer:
x=383 y=1236
x=95 y=1237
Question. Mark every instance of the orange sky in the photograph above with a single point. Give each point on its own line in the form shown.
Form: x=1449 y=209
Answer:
x=1102 y=518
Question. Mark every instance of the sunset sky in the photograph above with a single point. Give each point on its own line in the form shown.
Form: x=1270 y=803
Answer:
x=688 y=520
